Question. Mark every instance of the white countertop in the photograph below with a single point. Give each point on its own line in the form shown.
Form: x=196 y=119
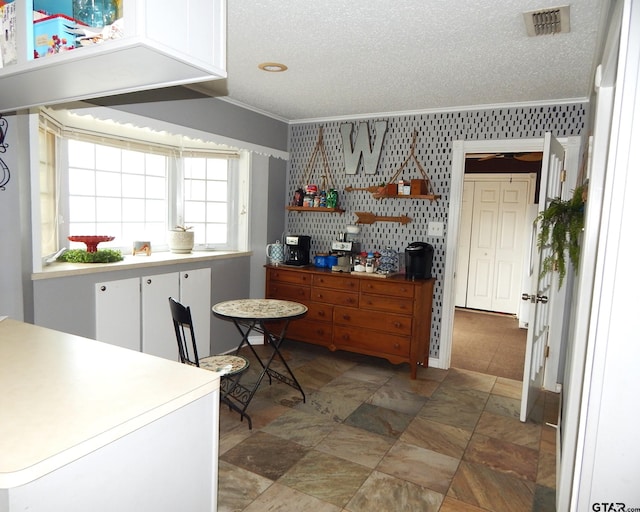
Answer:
x=63 y=396
x=156 y=259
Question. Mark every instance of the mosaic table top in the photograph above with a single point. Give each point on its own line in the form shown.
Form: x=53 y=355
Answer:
x=259 y=309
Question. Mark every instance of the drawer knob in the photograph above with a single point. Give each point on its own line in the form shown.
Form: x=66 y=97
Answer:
x=396 y=345
x=345 y=337
x=346 y=317
x=397 y=325
x=321 y=313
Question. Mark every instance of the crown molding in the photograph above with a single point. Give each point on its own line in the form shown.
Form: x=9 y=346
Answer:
x=465 y=108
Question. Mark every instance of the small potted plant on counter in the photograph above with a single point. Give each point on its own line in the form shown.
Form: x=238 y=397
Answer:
x=180 y=239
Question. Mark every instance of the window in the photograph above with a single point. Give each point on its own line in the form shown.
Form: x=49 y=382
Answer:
x=137 y=190
x=48 y=190
x=117 y=192
x=206 y=198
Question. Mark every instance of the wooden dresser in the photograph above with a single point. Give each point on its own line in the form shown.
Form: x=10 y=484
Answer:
x=384 y=317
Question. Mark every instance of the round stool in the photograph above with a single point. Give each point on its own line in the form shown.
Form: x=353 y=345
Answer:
x=226 y=365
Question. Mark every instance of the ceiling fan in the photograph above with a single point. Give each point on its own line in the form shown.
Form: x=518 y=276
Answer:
x=535 y=156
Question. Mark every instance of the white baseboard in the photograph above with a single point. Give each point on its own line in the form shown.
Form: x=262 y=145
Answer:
x=435 y=362
x=253 y=340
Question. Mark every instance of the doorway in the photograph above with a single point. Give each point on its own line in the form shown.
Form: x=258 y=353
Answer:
x=491 y=267
x=462 y=150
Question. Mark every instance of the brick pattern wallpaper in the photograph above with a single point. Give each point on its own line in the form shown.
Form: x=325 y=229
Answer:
x=435 y=134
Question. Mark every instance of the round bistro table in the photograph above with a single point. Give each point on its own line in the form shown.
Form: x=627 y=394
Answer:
x=252 y=315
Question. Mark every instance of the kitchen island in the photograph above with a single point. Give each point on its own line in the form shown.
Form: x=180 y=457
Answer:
x=86 y=425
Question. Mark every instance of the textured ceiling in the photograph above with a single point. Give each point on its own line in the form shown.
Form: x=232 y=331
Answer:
x=359 y=57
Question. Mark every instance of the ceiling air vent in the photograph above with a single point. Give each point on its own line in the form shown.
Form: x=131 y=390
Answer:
x=554 y=20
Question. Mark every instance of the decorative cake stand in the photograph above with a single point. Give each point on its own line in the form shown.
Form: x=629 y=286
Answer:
x=91 y=241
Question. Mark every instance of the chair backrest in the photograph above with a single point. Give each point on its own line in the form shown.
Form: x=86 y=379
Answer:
x=183 y=324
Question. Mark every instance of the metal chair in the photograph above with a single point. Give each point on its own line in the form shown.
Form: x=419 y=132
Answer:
x=230 y=367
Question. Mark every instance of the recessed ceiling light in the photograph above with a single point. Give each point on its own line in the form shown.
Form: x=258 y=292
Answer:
x=272 y=67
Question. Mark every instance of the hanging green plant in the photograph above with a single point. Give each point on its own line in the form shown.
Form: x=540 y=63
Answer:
x=560 y=227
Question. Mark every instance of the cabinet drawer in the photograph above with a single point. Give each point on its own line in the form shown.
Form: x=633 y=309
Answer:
x=334 y=297
x=388 y=322
x=289 y=276
x=288 y=292
x=382 y=287
x=382 y=303
x=320 y=312
x=311 y=331
x=373 y=342
x=335 y=281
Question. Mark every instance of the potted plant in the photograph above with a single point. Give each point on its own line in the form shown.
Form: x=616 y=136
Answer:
x=560 y=227
x=180 y=239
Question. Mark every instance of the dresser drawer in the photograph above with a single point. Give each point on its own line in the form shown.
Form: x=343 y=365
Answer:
x=390 y=304
x=289 y=276
x=320 y=312
x=362 y=319
x=288 y=292
x=334 y=297
x=311 y=331
x=372 y=342
x=337 y=282
x=388 y=288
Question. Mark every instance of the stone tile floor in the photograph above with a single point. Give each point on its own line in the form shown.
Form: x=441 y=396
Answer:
x=370 y=439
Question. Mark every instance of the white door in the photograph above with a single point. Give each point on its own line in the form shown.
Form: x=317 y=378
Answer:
x=496 y=247
x=158 y=335
x=118 y=313
x=541 y=297
x=195 y=292
x=464 y=244
x=486 y=207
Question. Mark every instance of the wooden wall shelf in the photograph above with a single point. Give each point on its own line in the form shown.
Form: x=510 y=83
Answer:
x=314 y=209
x=430 y=197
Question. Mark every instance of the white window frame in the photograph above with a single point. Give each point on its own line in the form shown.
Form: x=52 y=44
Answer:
x=237 y=220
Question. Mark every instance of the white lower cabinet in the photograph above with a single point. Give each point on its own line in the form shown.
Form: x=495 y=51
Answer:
x=134 y=313
x=195 y=292
x=118 y=313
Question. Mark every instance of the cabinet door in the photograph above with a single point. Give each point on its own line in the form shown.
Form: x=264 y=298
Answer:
x=158 y=336
x=195 y=292
x=118 y=313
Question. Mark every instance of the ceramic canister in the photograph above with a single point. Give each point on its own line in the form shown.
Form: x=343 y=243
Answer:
x=275 y=253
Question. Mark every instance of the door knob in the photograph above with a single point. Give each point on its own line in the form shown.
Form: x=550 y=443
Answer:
x=542 y=298
x=526 y=296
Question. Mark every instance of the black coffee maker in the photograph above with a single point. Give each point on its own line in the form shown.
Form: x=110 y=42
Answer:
x=296 y=249
x=418 y=259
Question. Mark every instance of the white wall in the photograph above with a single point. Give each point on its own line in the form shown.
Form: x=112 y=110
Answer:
x=610 y=469
x=11 y=303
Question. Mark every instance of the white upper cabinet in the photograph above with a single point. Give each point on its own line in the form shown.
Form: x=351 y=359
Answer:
x=164 y=43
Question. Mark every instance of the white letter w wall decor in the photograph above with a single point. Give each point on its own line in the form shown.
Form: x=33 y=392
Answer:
x=362 y=147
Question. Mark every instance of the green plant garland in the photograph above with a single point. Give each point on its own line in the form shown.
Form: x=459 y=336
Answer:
x=82 y=256
x=560 y=227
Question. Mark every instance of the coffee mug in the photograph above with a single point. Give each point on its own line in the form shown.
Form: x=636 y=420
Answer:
x=275 y=253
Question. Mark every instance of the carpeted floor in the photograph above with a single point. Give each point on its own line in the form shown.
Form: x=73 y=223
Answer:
x=489 y=343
